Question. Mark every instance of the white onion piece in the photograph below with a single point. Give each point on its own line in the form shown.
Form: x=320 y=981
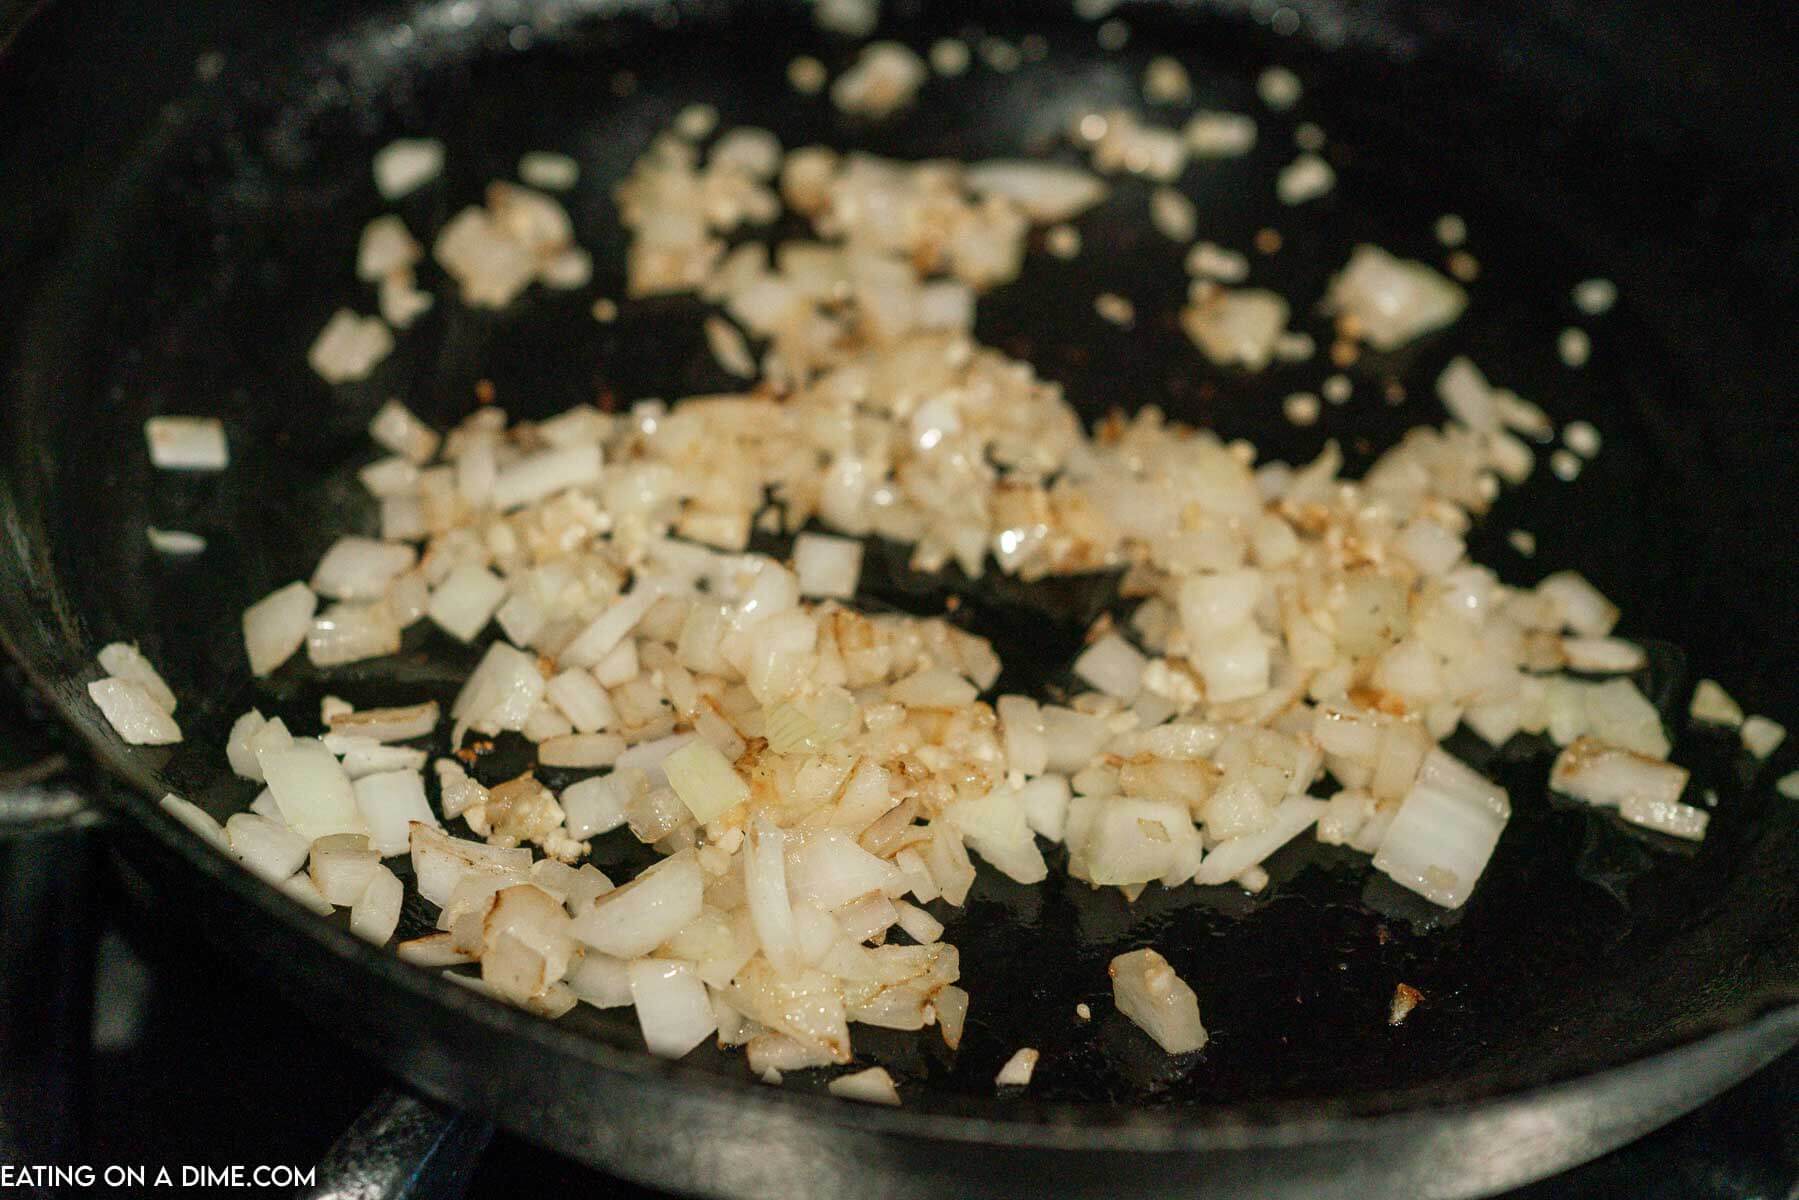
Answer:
x=1761 y=736
x=606 y=631
x=704 y=780
x=390 y=804
x=1676 y=819
x=271 y=735
x=342 y=866
x=994 y=827
x=1044 y=802
x=920 y=925
x=1603 y=655
x=1217 y=602
x=884 y=77
x=947 y=858
x=634 y=919
x=1213 y=134
x=951 y=1005
x=1712 y=705
x=1073 y=737
x=552 y=172
x=933 y=687
x=601 y=980
x=1112 y=665
x=196 y=819
x=388 y=724
x=829 y=869
x=1590 y=769
x=776 y=1052
x=1027 y=747
x=537 y=919
x=1046 y=192
x=1131 y=840
x=598 y=805
x=1582 y=607
x=1236 y=325
x=827 y=566
x=1432 y=548
x=581 y=750
x=465 y=601
x=309 y=785
x=1468 y=396
x=649 y=757
x=276 y=626
x=397 y=429
x=187 y=443
x=351 y=632
x=1392 y=300
x=582 y=700
x=123 y=661
x=376 y=913
x=765 y=884
x=432 y=950
x=174 y=541
x=1018 y=1069
x=405 y=165
x=1156 y=1000
x=873 y=1086
x=1444 y=831
x=386 y=246
x=300 y=888
x=270 y=850
x=439 y=861
x=501 y=692
x=546 y=473
x=1618 y=713
x=359 y=568
x=1305 y=178
x=619 y=666
x=133 y=713
x=349 y=347
x=264 y=806
x=363 y=756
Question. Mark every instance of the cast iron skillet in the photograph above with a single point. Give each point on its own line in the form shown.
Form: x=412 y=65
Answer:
x=1600 y=981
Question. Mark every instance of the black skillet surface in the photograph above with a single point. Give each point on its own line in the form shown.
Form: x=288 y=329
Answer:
x=227 y=239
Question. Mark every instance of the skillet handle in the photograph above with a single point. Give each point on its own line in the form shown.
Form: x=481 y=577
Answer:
x=402 y=1148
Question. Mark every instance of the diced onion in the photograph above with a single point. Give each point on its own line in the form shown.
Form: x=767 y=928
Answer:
x=672 y=1006
x=134 y=713
x=873 y=1086
x=1712 y=705
x=122 y=661
x=391 y=803
x=359 y=568
x=267 y=848
x=407 y=164
x=1157 y=1001
x=1018 y=1069
x=376 y=913
x=827 y=566
x=342 y=866
x=187 y=443
x=704 y=780
x=1112 y=665
x=633 y=920
x=1444 y=832
x=276 y=626
x=316 y=798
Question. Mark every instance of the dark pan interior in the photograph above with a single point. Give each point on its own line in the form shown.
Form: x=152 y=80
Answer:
x=228 y=238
